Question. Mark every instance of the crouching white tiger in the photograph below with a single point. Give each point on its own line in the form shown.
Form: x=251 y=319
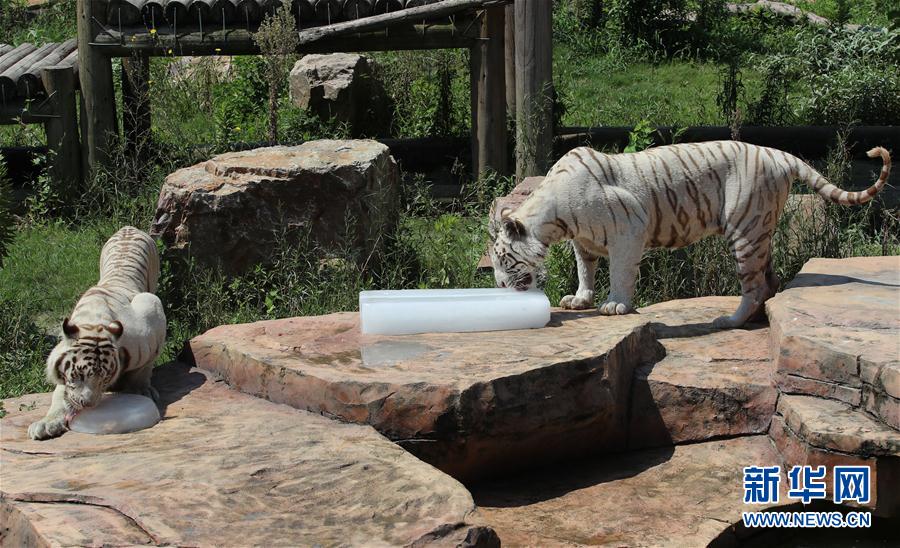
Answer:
x=113 y=336
x=619 y=205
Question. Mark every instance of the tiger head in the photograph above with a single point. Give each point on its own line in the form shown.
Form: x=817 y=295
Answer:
x=86 y=361
x=516 y=253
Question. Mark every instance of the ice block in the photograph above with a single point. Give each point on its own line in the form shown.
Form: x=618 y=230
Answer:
x=116 y=414
x=403 y=312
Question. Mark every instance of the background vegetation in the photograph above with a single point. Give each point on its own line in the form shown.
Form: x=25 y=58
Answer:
x=617 y=62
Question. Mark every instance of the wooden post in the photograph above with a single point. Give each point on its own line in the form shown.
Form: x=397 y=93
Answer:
x=95 y=75
x=534 y=87
x=62 y=127
x=509 y=43
x=489 y=93
x=136 y=104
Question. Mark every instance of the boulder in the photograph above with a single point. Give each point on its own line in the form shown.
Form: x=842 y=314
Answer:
x=223 y=468
x=231 y=210
x=342 y=86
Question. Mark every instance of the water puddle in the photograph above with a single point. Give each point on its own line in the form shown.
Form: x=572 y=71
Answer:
x=390 y=352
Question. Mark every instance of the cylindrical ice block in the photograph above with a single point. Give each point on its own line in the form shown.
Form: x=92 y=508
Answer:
x=116 y=414
x=403 y=312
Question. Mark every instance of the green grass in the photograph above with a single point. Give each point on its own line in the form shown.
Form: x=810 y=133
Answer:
x=600 y=91
x=55 y=22
x=48 y=267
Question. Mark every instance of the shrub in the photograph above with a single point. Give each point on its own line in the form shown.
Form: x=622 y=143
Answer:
x=849 y=76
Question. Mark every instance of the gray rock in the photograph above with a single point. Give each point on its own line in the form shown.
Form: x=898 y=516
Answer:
x=342 y=86
x=232 y=209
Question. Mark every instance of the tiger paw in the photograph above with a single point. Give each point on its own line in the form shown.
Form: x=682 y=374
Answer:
x=45 y=428
x=574 y=302
x=612 y=308
x=726 y=322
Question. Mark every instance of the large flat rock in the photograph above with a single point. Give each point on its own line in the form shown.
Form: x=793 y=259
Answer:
x=711 y=383
x=679 y=496
x=814 y=431
x=481 y=403
x=469 y=403
x=835 y=333
x=222 y=468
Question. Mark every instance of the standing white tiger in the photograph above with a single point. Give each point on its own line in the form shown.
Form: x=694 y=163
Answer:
x=619 y=205
x=113 y=336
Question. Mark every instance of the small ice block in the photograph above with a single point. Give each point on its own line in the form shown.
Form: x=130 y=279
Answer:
x=116 y=414
x=403 y=312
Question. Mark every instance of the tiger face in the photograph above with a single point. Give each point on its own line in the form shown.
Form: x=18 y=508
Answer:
x=87 y=363
x=515 y=254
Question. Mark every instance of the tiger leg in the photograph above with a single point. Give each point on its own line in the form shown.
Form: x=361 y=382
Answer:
x=138 y=382
x=587 y=270
x=150 y=336
x=753 y=256
x=624 y=263
x=772 y=284
x=54 y=423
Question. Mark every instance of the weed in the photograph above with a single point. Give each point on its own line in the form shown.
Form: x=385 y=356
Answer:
x=640 y=138
x=277 y=40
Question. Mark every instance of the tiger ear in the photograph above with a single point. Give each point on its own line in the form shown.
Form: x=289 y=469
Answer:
x=69 y=329
x=513 y=228
x=115 y=328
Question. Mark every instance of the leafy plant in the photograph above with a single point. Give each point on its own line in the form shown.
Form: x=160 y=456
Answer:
x=640 y=137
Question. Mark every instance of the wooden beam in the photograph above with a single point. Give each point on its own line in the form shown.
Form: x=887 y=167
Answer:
x=489 y=116
x=14 y=112
x=30 y=81
x=408 y=15
x=534 y=87
x=95 y=75
x=62 y=128
x=189 y=41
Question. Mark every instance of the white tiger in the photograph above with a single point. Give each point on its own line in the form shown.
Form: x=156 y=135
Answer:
x=113 y=336
x=619 y=205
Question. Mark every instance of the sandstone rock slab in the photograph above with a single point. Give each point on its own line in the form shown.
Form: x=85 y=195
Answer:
x=820 y=432
x=221 y=467
x=231 y=210
x=836 y=328
x=345 y=87
x=711 y=383
x=469 y=403
x=832 y=425
x=679 y=496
